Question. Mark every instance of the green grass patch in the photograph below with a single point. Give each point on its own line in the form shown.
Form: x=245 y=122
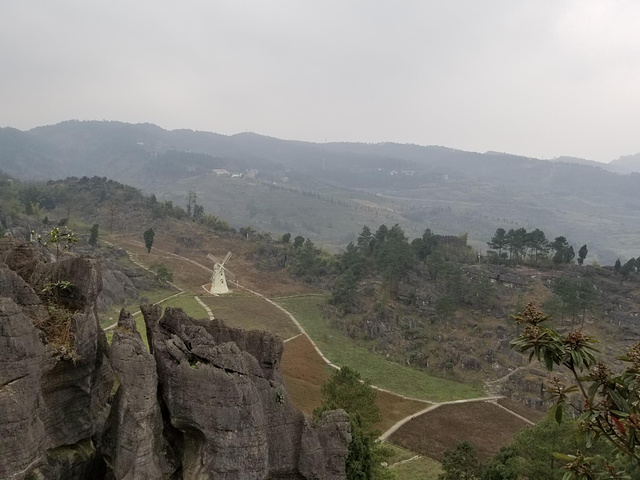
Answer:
x=342 y=351
x=110 y=316
x=188 y=304
x=422 y=468
x=251 y=313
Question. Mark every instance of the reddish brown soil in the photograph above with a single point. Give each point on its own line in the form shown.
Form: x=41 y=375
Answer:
x=304 y=372
x=486 y=426
x=528 y=413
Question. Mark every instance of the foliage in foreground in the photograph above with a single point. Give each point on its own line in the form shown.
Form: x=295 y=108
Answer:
x=611 y=401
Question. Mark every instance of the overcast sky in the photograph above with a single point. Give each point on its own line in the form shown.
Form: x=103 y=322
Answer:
x=536 y=78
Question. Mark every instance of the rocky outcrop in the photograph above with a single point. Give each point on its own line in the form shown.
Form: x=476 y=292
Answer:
x=133 y=445
x=55 y=377
x=227 y=405
x=207 y=401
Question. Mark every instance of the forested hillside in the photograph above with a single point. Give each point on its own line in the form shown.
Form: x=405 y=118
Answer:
x=340 y=185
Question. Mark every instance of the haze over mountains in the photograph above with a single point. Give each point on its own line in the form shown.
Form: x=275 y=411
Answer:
x=327 y=191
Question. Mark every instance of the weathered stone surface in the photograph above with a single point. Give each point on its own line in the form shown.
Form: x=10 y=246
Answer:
x=207 y=402
x=231 y=408
x=22 y=433
x=54 y=395
x=133 y=445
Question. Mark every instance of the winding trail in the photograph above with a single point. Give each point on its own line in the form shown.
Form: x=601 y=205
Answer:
x=134 y=259
x=431 y=405
x=205 y=306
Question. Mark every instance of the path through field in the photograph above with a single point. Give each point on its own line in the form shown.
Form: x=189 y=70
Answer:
x=402 y=417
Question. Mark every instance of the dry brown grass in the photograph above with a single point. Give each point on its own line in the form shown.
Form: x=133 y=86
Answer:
x=58 y=330
x=192 y=277
x=483 y=424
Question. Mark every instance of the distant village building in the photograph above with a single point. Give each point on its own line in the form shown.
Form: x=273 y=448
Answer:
x=220 y=171
x=251 y=173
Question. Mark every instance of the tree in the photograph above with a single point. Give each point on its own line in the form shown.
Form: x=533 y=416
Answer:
x=61 y=240
x=424 y=245
x=498 y=241
x=517 y=242
x=461 y=463
x=582 y=254
x=504 y=465
x=163 y=273
x=611 y=401
x=345 y=389
x=446 y=307
x=627 y=268
x=538 y=243
x=93 y=235
x=298 y=241
x=148 y=239
x=393 y=256
x=111 y=209
x=365 y=240
x=191 y=202
x=564 y=252
x=617 y=266
x=286 y=238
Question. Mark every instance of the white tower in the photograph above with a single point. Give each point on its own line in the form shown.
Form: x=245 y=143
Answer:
x=218 y=280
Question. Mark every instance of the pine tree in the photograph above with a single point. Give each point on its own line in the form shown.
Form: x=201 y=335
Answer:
x=93 y=236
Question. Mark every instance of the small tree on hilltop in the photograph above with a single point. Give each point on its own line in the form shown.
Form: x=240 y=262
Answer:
x=93 y=235
x=148 y=239
x=582 y=254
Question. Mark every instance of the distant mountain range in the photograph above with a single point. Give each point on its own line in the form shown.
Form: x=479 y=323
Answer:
x=623 y=165
x=418 y=186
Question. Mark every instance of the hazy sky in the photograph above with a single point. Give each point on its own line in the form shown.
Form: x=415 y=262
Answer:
x=537 y=78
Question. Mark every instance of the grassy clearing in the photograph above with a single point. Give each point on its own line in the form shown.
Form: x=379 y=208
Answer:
x=251 y=313
x=188 y=304
x=133 y=305
x=343 y=352
x=422 y=468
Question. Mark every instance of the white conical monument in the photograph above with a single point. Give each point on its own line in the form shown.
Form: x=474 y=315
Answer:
x=218 y=280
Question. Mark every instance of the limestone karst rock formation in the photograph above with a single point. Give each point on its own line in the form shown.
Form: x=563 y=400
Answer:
x=55 y=377
x=208 y=401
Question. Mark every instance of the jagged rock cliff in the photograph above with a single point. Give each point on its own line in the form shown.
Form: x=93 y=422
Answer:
x=207 y=402
x=55 y=376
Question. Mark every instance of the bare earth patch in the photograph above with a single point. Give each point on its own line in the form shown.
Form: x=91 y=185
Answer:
x=485 y=425
x=528 y=413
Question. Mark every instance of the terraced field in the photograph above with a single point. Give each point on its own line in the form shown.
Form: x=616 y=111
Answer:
x=392 y=376
x=485 y=425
